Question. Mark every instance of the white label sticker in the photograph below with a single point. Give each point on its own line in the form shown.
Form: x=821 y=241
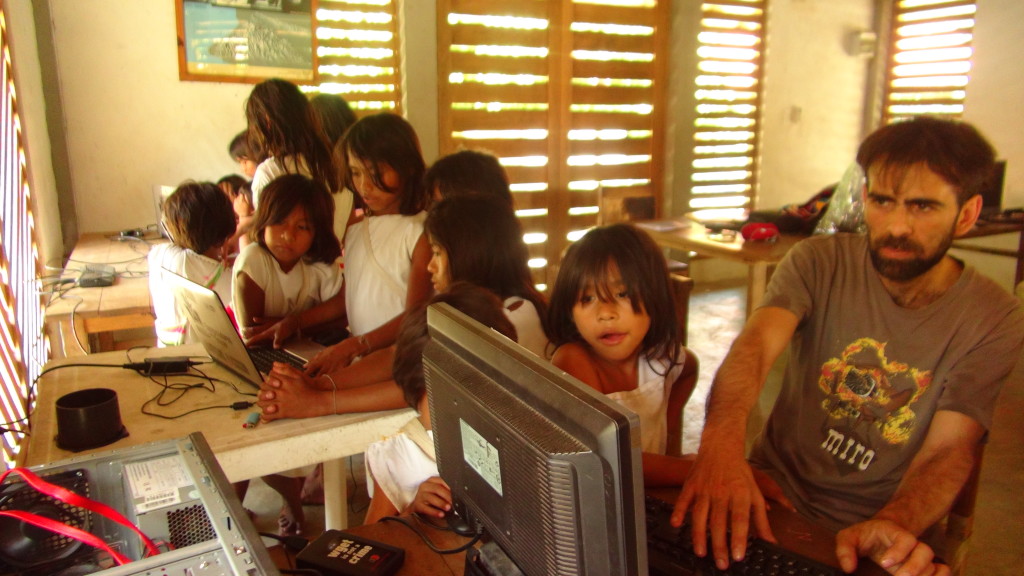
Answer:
x=481 y=456
x=155 y=483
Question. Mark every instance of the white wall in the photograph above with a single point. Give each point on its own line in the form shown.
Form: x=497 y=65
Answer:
x=813 y=100
x=131 y=124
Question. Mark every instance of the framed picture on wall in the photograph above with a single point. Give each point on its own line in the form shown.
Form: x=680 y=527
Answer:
x=245 y=40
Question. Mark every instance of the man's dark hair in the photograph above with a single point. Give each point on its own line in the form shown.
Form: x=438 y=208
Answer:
x=954 y=150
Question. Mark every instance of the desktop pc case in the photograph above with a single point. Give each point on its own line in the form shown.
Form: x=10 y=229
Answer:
x=173 y=491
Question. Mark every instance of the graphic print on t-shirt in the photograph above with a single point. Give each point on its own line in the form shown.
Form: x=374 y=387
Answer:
x=868 y=399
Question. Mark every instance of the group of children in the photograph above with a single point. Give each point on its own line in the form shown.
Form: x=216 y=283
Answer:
x=409 y=237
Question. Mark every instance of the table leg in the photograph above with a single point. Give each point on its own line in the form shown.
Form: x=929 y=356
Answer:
x=335 y=495
x=757 y=285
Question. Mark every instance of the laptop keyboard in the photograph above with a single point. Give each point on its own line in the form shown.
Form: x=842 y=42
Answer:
x=670 y=551
x=264 y=358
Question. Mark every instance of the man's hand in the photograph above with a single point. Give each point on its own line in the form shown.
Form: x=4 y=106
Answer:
x=720 y=493
x=334 y=357
x=433 y=498
x=896 y=550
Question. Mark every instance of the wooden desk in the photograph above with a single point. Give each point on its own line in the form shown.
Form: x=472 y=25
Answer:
x=793 y=531
x=242 y=453
x=984 y=229
x=758 y=256
x=94 y=314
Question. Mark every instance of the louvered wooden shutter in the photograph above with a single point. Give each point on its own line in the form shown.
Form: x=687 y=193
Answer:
x=723 y=176
x=357 y=53
x=23 y=346
x=929 y=58
x=569 y=96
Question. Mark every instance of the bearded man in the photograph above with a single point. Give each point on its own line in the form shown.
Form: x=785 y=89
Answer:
x=898 y=352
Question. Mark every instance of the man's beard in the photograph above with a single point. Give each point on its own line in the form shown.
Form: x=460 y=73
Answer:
x=899 y=270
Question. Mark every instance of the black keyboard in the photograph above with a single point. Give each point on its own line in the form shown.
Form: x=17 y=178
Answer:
x=265 y=357
x=670 y=552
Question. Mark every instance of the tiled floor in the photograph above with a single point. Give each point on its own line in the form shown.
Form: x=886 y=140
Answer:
x=716 y=316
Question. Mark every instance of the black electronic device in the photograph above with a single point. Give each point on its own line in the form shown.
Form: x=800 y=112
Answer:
x=670 y=552
x=548 y=467
x=992 y=193
x=339 y=553
x=172 y=490
x=96 y=276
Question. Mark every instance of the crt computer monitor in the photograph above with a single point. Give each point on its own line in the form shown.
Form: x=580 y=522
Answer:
x=549 y=467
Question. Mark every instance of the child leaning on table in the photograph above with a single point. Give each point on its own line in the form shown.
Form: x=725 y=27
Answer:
x=402 y=468
x=199 y=220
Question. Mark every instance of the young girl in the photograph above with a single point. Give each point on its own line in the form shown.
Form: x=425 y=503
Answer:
x=613 y=320
x=402 y=467
x=283 y=126
x=468 y=172
x=199 y=221
x=386 y=253
x=478 y=239
x=290 y=266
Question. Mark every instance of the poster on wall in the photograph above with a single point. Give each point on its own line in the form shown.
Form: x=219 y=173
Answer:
x=245 y=40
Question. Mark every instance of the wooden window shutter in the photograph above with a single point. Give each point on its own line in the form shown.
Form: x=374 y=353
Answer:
x=24 y=348
x=929 y=58
x=569 y=96
x=723 y=176
x=357 y=53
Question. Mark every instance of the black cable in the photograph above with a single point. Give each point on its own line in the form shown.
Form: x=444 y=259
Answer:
x=427 y=540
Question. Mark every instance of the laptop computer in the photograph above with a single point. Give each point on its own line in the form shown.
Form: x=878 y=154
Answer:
x=211 y=326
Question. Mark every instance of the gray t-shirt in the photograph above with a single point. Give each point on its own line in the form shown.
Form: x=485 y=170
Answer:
x=866 y=376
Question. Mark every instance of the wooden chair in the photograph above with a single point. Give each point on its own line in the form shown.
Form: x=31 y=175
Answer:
x=677 y=398
x=682 y=286
x=960 y=521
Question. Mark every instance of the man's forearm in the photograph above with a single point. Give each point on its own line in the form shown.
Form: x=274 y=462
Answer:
x=734 y=392
x=928 y=489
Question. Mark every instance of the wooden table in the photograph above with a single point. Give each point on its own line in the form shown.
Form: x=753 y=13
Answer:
x=242 y=453
x=995 y=228
x=83 y=320
x=759 y=257
x=792 y=531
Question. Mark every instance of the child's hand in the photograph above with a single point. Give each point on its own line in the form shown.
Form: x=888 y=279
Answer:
x=274 y=330
x=433 y=498
x=288 y=393
x=333 y=357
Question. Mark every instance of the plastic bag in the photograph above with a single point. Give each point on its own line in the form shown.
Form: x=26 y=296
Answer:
x=845 y=211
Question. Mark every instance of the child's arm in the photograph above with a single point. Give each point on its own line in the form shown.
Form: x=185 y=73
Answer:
x=418 y=291
x=288 y=393
x=279 y=332
x=574 y=359
x=433 y=498
x=249 y=300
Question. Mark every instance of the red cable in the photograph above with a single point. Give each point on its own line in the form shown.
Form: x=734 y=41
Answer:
x=65 y=495
x=59 y=528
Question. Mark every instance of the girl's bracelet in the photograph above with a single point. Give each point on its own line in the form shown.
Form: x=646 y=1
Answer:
x=365 y=343
x=334 y=394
